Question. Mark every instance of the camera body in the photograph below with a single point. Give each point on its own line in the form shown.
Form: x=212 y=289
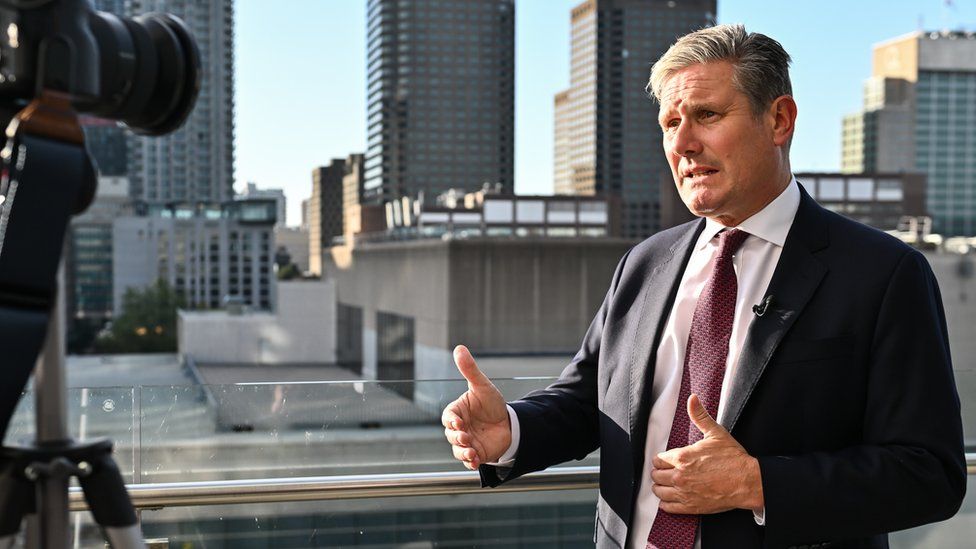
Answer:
x=142 y=71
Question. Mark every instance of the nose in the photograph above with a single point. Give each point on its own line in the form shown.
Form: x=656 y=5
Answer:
x=684 y=140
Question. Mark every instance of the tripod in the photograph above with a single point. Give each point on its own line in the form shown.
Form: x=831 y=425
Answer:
x=47 y=176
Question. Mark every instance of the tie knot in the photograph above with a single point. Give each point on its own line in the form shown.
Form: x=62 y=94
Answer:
x=729 y=241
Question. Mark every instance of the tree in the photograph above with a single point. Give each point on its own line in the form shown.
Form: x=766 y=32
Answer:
x=147 y=323
x=289 y=272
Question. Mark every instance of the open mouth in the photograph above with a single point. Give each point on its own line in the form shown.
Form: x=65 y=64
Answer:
x=699 y=174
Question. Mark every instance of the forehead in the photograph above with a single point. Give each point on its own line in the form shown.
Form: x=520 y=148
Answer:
x=701 y=82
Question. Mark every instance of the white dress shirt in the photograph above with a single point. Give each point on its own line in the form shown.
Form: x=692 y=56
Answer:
x=754 y=264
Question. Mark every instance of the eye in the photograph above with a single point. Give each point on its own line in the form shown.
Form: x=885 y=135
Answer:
x=708 y=114
x=671 y=124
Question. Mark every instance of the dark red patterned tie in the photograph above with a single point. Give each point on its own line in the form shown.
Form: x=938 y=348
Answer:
x=702 y=374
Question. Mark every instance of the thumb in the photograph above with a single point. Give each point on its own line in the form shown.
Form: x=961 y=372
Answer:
x=702 y=419
x=469 y=369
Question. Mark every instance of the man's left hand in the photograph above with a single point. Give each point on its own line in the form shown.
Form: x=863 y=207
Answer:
x=713 y=475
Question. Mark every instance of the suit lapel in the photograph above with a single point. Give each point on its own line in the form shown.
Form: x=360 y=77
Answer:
x=796 y=277
x=656 y=302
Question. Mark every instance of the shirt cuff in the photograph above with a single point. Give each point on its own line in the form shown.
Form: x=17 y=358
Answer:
x=760 y=517
x=508 y=458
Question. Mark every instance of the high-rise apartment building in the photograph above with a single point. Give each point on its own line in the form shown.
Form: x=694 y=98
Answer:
x=440 y=96
x=213 y=256
x=195 y=164
x=107 y=143
x=607 y=126
x=919 y=114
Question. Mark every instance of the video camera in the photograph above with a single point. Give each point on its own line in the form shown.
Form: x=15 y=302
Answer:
x=59 y=58
x=143 y=71
x=64 y=56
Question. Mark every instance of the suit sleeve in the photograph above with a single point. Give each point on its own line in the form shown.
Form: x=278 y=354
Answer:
x=911 y=467
x=561 y=422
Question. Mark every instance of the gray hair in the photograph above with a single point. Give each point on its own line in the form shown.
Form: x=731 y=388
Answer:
x=761 y=67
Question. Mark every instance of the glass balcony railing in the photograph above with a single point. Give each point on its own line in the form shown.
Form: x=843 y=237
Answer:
x=333 y=464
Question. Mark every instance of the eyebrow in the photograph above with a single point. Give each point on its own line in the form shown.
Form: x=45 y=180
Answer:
x=695 y=107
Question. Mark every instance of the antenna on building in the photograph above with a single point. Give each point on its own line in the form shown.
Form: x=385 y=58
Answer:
x=947 y=17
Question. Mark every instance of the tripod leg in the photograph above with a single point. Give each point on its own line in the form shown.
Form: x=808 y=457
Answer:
x=110 y=504
x=125 y=537
x=16 y=500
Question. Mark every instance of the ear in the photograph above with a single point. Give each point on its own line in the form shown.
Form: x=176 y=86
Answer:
x=783 y=119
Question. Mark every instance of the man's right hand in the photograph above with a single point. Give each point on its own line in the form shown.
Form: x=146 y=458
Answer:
x=477 y=423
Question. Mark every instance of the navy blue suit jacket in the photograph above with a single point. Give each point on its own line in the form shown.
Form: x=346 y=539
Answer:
x=844 y=391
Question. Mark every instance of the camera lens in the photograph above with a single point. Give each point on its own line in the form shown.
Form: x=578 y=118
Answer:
x=150 y=71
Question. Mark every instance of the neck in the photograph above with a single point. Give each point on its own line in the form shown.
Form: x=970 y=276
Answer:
x=783 y=179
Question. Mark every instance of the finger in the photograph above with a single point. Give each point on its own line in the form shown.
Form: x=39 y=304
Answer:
x=461 y=454
x=464 y=454
x=666 y=493
x=458 y=438
x=663 y=477
x=677 y=508
x=469 y=369
x=701 y=418
x=451 y=417
x=664 y=460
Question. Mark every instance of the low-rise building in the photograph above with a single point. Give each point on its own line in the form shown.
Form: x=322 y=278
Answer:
x=301 y=330
x=489 y=212
x=402 y=306
x=880 y=200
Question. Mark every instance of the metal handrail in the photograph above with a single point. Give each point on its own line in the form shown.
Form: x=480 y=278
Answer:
x=277 y=490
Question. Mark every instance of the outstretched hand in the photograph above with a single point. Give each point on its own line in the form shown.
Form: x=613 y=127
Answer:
x=477 y=423
x=712 y=475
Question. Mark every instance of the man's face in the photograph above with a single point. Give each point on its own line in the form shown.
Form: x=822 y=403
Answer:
x=723 y=157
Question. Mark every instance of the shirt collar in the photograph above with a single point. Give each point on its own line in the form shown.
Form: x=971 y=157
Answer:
x=771 y=223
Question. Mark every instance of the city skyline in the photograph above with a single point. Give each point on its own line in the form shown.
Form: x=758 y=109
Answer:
x=918 y=117
x=297 y=108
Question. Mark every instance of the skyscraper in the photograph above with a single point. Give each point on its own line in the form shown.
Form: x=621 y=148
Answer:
x=562 y=181
x=195 y=163
x=440 y=96
x=609 y=128
x=352 y=190
x=919 y=114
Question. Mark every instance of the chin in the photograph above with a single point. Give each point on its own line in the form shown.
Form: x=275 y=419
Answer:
x=701 y=206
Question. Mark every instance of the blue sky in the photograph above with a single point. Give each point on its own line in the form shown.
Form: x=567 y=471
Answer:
x=300 y=77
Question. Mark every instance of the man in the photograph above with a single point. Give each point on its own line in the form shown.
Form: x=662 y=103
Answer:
x=819 y=345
